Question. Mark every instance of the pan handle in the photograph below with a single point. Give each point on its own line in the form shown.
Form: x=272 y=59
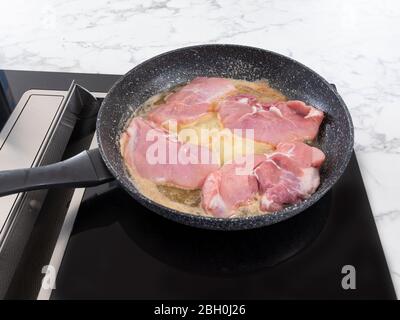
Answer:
x=86 y=169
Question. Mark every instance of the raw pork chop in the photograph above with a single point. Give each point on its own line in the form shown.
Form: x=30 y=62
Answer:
x=272 y=122
x=140 y=155
x=288 y=175
x=192 y=101
x=224 y=190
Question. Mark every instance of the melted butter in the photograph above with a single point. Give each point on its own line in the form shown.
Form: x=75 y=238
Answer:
x=220 y=141
x=189 y=198
x=178 y=199
x=259 y=89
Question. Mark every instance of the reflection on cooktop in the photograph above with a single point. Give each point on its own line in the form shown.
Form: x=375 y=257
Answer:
x=203 y=251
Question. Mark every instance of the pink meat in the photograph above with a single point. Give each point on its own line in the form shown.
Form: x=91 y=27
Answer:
x=178 y=164
x=272 y=122
x=192 y=101
x=225 y=190
x=304 y=155
x=288 y=175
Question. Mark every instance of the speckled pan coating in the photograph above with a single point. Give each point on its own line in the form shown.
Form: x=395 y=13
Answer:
x=295 y=80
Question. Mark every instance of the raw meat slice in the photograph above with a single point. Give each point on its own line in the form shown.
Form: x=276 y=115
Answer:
x=288 y=175
x=304 y=155
x=192 y=101
x=225 y=190
x=272 y=122
x=155 y=155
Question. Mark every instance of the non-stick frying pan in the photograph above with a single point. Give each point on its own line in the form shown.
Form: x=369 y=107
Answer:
x=167 y=70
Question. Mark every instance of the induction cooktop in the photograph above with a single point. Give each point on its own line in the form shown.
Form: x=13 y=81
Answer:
x=100 y=243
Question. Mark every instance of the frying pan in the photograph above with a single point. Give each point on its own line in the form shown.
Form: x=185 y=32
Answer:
x=167 y=70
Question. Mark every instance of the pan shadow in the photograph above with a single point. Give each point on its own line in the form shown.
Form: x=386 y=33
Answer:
x=202 y=251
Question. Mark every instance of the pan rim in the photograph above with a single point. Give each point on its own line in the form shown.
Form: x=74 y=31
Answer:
x=250 y=220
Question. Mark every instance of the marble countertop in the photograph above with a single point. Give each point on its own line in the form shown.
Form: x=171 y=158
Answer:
x=354 y=44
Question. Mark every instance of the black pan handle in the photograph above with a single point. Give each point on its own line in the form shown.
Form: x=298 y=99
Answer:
x=86 y=169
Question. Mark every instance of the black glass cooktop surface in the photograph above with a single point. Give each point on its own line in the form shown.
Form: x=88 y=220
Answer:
x=119 y=249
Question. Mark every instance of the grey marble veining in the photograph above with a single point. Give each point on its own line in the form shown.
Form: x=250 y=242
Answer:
x=353 y=44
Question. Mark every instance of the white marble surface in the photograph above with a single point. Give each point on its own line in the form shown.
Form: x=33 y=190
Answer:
x=354 y=44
